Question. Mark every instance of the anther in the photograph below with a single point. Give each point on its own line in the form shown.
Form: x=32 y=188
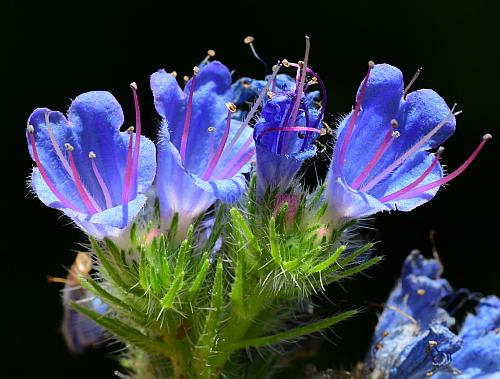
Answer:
x=245 y=84
x=394 y=123
x=130 y=130
x=92 y=155
x=395 y=134
x=421 y=291
x=313 y=81
x=301 y=64
x=285 y=63
x=185 y=78
x=196 y=70
x=69 y=147
x=231 y=107
x=31 y=129
x=371 y=64
x=174 y=74
x=385 y=334
x=249 y=41
x=270 y=94
x=379 y=346
x=211 y=53
x=487 y=137
x=211 y=129
x=433 y=343
x=133 y=86
x=429 y=374
x=440 y=150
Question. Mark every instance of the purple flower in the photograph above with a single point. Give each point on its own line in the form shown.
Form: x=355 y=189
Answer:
x=203 y=152
x=287 y=128
x=86 y=167
x=412 y=338
x=381 y=160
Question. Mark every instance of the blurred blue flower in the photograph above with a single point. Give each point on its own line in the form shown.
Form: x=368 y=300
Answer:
x=413 y=338
x=381 y=159
x=86 y=167
x=203 y=151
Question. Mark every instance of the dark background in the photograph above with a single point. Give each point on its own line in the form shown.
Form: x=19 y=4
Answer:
x=55 y=52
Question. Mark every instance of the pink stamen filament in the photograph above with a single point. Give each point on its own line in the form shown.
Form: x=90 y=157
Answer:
x=409 y=187
x=45 y=177
x=250 y=114
x=381 y=150
x=79 y=185
x=187 y=120
x=135 y=159
x=100 y=180
x=354 y=117
x=407 y=154
x=289 y=129
x=419 y=190
x=128 y=169
x=240 y=156
x=215 y=160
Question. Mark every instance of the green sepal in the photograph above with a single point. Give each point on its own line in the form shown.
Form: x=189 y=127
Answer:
x=238 y=220
x=168 y=300
x=123 y=331
x=274 y=243
x=200 y=277
x=108 y=266
x=293 y=333
x=329 y=261
x=353 y=271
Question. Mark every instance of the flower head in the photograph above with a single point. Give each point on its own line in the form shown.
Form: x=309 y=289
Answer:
x=86 y=167
x=413 y=340
x=381 y=160
x=203 y=151
x=287 y=128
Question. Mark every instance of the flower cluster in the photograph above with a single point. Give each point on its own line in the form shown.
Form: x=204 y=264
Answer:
x=413 y=337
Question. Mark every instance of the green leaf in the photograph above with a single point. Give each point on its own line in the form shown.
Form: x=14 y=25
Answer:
x=108 y=266
x=273 y=240
x=200 y=277
x=329 y=261
x=293 y=333
x=92 y=286
x=168 y=300
x=123 y=331
x=352 y=271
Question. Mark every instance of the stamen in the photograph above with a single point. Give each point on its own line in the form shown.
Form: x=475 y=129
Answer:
x=300 y=87
x=251 y=114
x=59 y=153
x=354 y=116
x=79 y=185
x=289 y=129
x=128 y=166
x=43 y=173
x=249 y=41
x=239 y=159
x=412 y=81
x=210 y=54
x=215 y=160
x=132 y=180
x=420 y=179
x=381 y=150
x=174 y=74
x=408 y=153
x=102 y=184
x=419 y=190
x=185 y=132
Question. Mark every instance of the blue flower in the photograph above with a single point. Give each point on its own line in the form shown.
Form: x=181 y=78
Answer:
x=86 y=167
x=413 y=338
x=287 y=128
x=381 y=160
x=203 y=151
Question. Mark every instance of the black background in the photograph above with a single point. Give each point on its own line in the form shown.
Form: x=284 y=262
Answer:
x=55 y=52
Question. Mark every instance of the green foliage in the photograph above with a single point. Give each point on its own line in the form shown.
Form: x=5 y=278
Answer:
x=186 y=310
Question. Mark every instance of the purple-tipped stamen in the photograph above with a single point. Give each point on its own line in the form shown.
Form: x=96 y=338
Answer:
x=381 y=150
x=187 y=120
x=354 y=116
x=420 y=179
x=100 y=180
x=86 y=198
x=419 y=190
x=215 y=160
x=407 y=154
x=43 y=173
